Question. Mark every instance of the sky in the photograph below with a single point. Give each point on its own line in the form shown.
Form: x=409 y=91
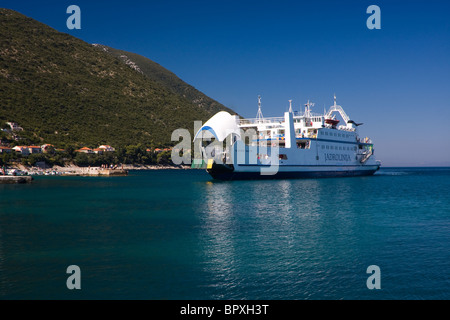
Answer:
x=396 y=80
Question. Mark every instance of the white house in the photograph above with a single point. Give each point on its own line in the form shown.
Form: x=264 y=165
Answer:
x=107 y=148
x=23 y=150
x=14 y=126
x=35 y=149
x=85 y=150
x=5 y=149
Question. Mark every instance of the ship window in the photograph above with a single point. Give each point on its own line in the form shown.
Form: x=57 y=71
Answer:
x=283 y=157
x=303 y=144
x=328 y=147
x=323 y=147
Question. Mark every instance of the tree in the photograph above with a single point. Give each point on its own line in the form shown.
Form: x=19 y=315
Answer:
x=81 y=159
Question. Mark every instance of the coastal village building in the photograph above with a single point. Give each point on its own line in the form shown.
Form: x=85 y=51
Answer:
x=26 y=150
x=35 y=149
x=14 y=126
x=46 y=147
x=85 y=150
x=158 y=150
x=4 y=150
x=107 y=148
x=100 y=150
x=23 y=150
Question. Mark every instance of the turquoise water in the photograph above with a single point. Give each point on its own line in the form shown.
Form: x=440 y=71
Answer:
x=173 y=234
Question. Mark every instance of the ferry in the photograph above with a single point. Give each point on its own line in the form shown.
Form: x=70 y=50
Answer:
x=298 y=145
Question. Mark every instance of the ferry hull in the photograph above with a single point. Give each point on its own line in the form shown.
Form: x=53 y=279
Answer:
x=228 y=173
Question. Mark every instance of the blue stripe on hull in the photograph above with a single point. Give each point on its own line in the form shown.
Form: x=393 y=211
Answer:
x=289 y=175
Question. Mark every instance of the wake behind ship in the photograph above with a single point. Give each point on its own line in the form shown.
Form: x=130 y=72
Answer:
x=298 y=145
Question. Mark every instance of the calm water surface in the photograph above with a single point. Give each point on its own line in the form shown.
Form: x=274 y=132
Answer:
x=173 y=234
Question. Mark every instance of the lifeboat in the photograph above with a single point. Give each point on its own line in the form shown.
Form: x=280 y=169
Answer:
x=333 y=122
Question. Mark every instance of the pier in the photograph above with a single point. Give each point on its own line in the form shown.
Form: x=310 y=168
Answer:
x=15 y=179
x=96 y=171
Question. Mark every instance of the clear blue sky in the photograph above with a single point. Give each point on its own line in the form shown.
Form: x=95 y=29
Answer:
x=395 y=80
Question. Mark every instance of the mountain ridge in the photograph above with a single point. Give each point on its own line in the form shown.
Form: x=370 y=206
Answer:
x=158 y=73
x=65 y=91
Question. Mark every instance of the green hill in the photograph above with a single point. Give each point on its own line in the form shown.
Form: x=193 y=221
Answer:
x=166 y=78
x=63 y=91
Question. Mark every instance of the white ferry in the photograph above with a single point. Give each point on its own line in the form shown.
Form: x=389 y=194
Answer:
x=298 y=145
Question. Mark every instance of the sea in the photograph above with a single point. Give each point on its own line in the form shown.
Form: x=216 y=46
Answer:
x=179 y=235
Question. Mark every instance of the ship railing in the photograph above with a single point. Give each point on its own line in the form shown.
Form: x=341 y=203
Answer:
x=269 y=120
x=365 y=140
x=261 y=121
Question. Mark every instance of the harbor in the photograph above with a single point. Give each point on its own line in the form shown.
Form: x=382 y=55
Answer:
x=24 y=174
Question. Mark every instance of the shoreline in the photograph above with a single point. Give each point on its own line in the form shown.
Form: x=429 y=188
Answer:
x=73 y=170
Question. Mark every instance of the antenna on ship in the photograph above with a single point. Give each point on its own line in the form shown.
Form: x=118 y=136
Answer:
x=307 y=108
x=259 y=115
x=335 y=99
x=290 y=106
